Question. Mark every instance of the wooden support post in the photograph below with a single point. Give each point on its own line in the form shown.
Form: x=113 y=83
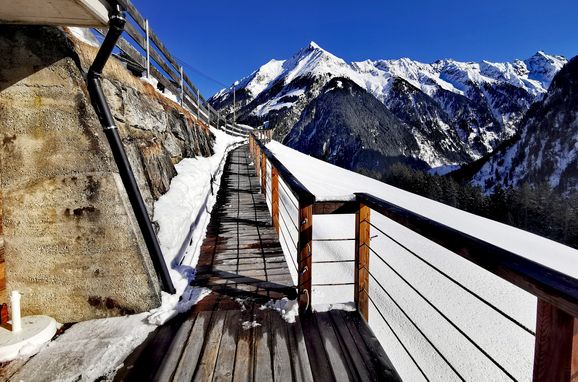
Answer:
x=362 y=238
x=182 y=95
x=304 y=256
x=148 y=53
x=198 y=106
x=556 y=351
x=264 y=174
x=275 y=198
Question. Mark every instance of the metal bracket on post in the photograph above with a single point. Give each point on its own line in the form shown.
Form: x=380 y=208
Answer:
x=115 y=30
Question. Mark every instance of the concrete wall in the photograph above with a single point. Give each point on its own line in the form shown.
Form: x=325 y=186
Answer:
x=71 y=242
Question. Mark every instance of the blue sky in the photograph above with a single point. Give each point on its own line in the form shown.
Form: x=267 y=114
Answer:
x=223 y=41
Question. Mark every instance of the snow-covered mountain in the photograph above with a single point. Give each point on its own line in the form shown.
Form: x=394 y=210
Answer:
x=545 y=150
x=457 y=111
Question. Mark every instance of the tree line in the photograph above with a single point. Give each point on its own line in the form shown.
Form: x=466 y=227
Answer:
x=534 y=208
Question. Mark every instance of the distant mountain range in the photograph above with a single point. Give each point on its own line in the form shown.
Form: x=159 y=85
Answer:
x=366 y=115
x=545 y=149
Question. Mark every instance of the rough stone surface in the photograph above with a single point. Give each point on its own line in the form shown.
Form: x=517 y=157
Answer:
x=71 y=242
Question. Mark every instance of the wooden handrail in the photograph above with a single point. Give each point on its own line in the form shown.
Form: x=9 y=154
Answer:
x=297 y=188
x=550 y=285
x=556 y=342
x=305 y=200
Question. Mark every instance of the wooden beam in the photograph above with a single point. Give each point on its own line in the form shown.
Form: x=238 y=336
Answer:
x=556 y=351
x=304 y=255
x=362 y=238
x=326 y=208
x=275 y=198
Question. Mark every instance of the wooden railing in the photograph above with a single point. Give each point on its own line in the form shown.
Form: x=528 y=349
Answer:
x=145 y=54
x=556 y=332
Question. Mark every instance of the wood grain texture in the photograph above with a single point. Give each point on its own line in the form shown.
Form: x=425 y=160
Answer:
x=555 y=350
x=362 y=245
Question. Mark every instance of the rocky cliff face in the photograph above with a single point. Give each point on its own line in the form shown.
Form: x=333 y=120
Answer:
x=72 y=244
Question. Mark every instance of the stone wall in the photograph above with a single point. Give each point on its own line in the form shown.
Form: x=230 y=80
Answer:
x=71 y=242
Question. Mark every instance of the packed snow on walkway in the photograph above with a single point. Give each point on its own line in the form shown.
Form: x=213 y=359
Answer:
x=399 y=276
x=95 y=349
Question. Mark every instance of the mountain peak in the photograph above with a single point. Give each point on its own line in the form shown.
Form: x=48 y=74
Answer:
x=314 y=45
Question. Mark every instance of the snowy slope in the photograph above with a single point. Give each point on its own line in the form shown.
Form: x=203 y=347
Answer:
x=474 y=105
x=509 y=344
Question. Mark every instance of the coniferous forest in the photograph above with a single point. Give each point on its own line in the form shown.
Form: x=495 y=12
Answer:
x=537 y=208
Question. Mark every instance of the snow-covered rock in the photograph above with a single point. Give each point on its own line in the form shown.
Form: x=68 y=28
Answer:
x=459 y=111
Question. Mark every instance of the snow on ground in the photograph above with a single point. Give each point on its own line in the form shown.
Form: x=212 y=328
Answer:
x=88 y=351
x=405 y=283
x=289 y=309
x=93 y=349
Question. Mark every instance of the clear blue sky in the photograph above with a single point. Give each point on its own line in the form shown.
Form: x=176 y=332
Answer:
x=227 y=40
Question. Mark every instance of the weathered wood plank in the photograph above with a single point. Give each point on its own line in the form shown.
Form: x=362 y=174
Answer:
x=321 y=369
x=206 y=366
x=224 y=368
x=245 y=350
x=281 y=358
x=193 y=350
x=262 y=343
x=364 y=371
x=298 y=352
x=171 y=359
x=364 y=336
x=335 y=354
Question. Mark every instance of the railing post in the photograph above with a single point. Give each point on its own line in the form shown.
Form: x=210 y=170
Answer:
x=556 y=351
x=263 y=174
x=304 y=255
x=362 y=238
x=148 y=62
x=181 y=85
x=198 y=106
x=275 y=198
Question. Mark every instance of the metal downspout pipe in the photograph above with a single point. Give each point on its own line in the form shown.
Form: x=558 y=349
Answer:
x=116 y=27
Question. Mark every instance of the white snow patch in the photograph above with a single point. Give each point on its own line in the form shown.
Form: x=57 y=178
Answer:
x=289 y=309
x=348 y=307
x=88 y=350
x=246 y=325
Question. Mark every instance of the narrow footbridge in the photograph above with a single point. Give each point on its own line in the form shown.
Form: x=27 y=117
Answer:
x=436 y=302
x=235 y=333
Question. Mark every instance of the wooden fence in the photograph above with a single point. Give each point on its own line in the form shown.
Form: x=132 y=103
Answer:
x=556 y=333
x=157 y=62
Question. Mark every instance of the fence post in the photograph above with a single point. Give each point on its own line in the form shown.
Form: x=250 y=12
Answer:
x=181 y=84
x=148 y=62
x=556 y=351
x=263 y=174
x=362 y=237
x=304 y=256
x=275 y=198
x=198 y=106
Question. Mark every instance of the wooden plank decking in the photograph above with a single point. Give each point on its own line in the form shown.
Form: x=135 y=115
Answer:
x=230 y=335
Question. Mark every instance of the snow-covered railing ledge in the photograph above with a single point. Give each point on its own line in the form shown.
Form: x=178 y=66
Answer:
x=392 y=237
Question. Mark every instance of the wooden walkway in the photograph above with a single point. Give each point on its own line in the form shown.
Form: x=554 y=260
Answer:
x=231 y=335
